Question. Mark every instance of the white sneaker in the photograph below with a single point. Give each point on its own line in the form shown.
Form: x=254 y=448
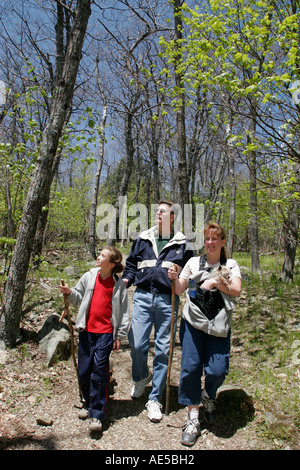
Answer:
x=83 y=413
x=190 y=432
x=154 y=413
x=95 y=425
x=139 y=387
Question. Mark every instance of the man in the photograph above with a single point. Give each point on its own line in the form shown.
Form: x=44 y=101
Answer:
x=151 y=255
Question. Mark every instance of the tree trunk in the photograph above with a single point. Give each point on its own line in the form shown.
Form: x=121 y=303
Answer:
x=255 y=265
x=130 y=150
x=156 y=175
x=42 y=177
x=180 y=112
x=231 y=231
x=92 y=234
x=291 y=228
x=43 y=220
x=93 y=211
x=232 y=183
x=11 y=227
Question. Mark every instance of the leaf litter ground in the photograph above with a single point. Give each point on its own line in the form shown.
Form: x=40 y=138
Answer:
x=39 y=406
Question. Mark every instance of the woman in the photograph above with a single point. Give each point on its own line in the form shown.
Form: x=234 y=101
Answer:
x=103 y=321
x=205 y=331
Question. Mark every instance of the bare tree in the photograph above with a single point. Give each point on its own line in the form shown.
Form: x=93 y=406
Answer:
x=180 y=115
x=41 y=179
x=136 y=97
x=93 y=211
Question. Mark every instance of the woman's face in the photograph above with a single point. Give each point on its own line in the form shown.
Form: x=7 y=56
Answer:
x=213 y=242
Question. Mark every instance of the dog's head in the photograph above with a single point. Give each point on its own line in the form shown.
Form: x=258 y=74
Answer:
x=225 y=272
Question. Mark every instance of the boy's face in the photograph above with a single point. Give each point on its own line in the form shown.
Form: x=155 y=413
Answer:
x=103 y=260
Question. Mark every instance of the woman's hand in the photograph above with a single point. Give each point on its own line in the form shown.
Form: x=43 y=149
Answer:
x=233 y=288
x=210 y=284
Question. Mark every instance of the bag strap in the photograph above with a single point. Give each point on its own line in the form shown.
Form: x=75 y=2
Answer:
x=202 y=262
x=203 y=259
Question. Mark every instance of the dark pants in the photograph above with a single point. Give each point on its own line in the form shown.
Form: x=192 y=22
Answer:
x=201 y=351
x=93 y=368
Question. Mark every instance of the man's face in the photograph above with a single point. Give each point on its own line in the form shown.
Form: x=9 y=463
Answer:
x=164 y=219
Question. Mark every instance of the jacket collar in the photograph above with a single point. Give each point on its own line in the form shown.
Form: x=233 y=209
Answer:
x=94 y=272
x=151 y=235
x=178 y=237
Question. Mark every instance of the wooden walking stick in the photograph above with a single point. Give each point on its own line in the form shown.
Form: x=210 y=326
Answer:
x=171 y=347
x=66 y=312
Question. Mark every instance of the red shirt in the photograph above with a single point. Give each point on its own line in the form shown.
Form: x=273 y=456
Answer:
x=100 y=313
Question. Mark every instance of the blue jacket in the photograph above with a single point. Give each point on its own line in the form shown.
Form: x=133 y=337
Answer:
x=148 y=269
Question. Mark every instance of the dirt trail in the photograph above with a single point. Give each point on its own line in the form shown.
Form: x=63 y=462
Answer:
x=39 y=407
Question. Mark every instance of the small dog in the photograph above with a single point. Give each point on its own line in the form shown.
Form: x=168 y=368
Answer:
x=222 y=274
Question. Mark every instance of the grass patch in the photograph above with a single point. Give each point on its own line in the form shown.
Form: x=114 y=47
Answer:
x=267 y=327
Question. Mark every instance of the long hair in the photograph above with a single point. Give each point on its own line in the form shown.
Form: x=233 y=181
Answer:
x=211 y=225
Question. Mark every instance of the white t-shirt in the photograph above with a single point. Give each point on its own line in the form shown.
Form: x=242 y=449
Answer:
x=192 y=267
x=220 y=325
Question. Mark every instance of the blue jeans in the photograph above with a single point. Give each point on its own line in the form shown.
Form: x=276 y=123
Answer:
x=93 y=370
x=200 y=350
x=148 y=310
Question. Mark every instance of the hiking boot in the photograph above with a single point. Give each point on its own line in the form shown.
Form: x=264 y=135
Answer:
x=209 y=410
x=154 y=411
x=83 y=413
x=95 y=425
x=190 y=432
x=139 y=387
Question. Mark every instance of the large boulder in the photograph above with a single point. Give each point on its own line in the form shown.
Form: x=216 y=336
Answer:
x=54 y=339
x=72 y=271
